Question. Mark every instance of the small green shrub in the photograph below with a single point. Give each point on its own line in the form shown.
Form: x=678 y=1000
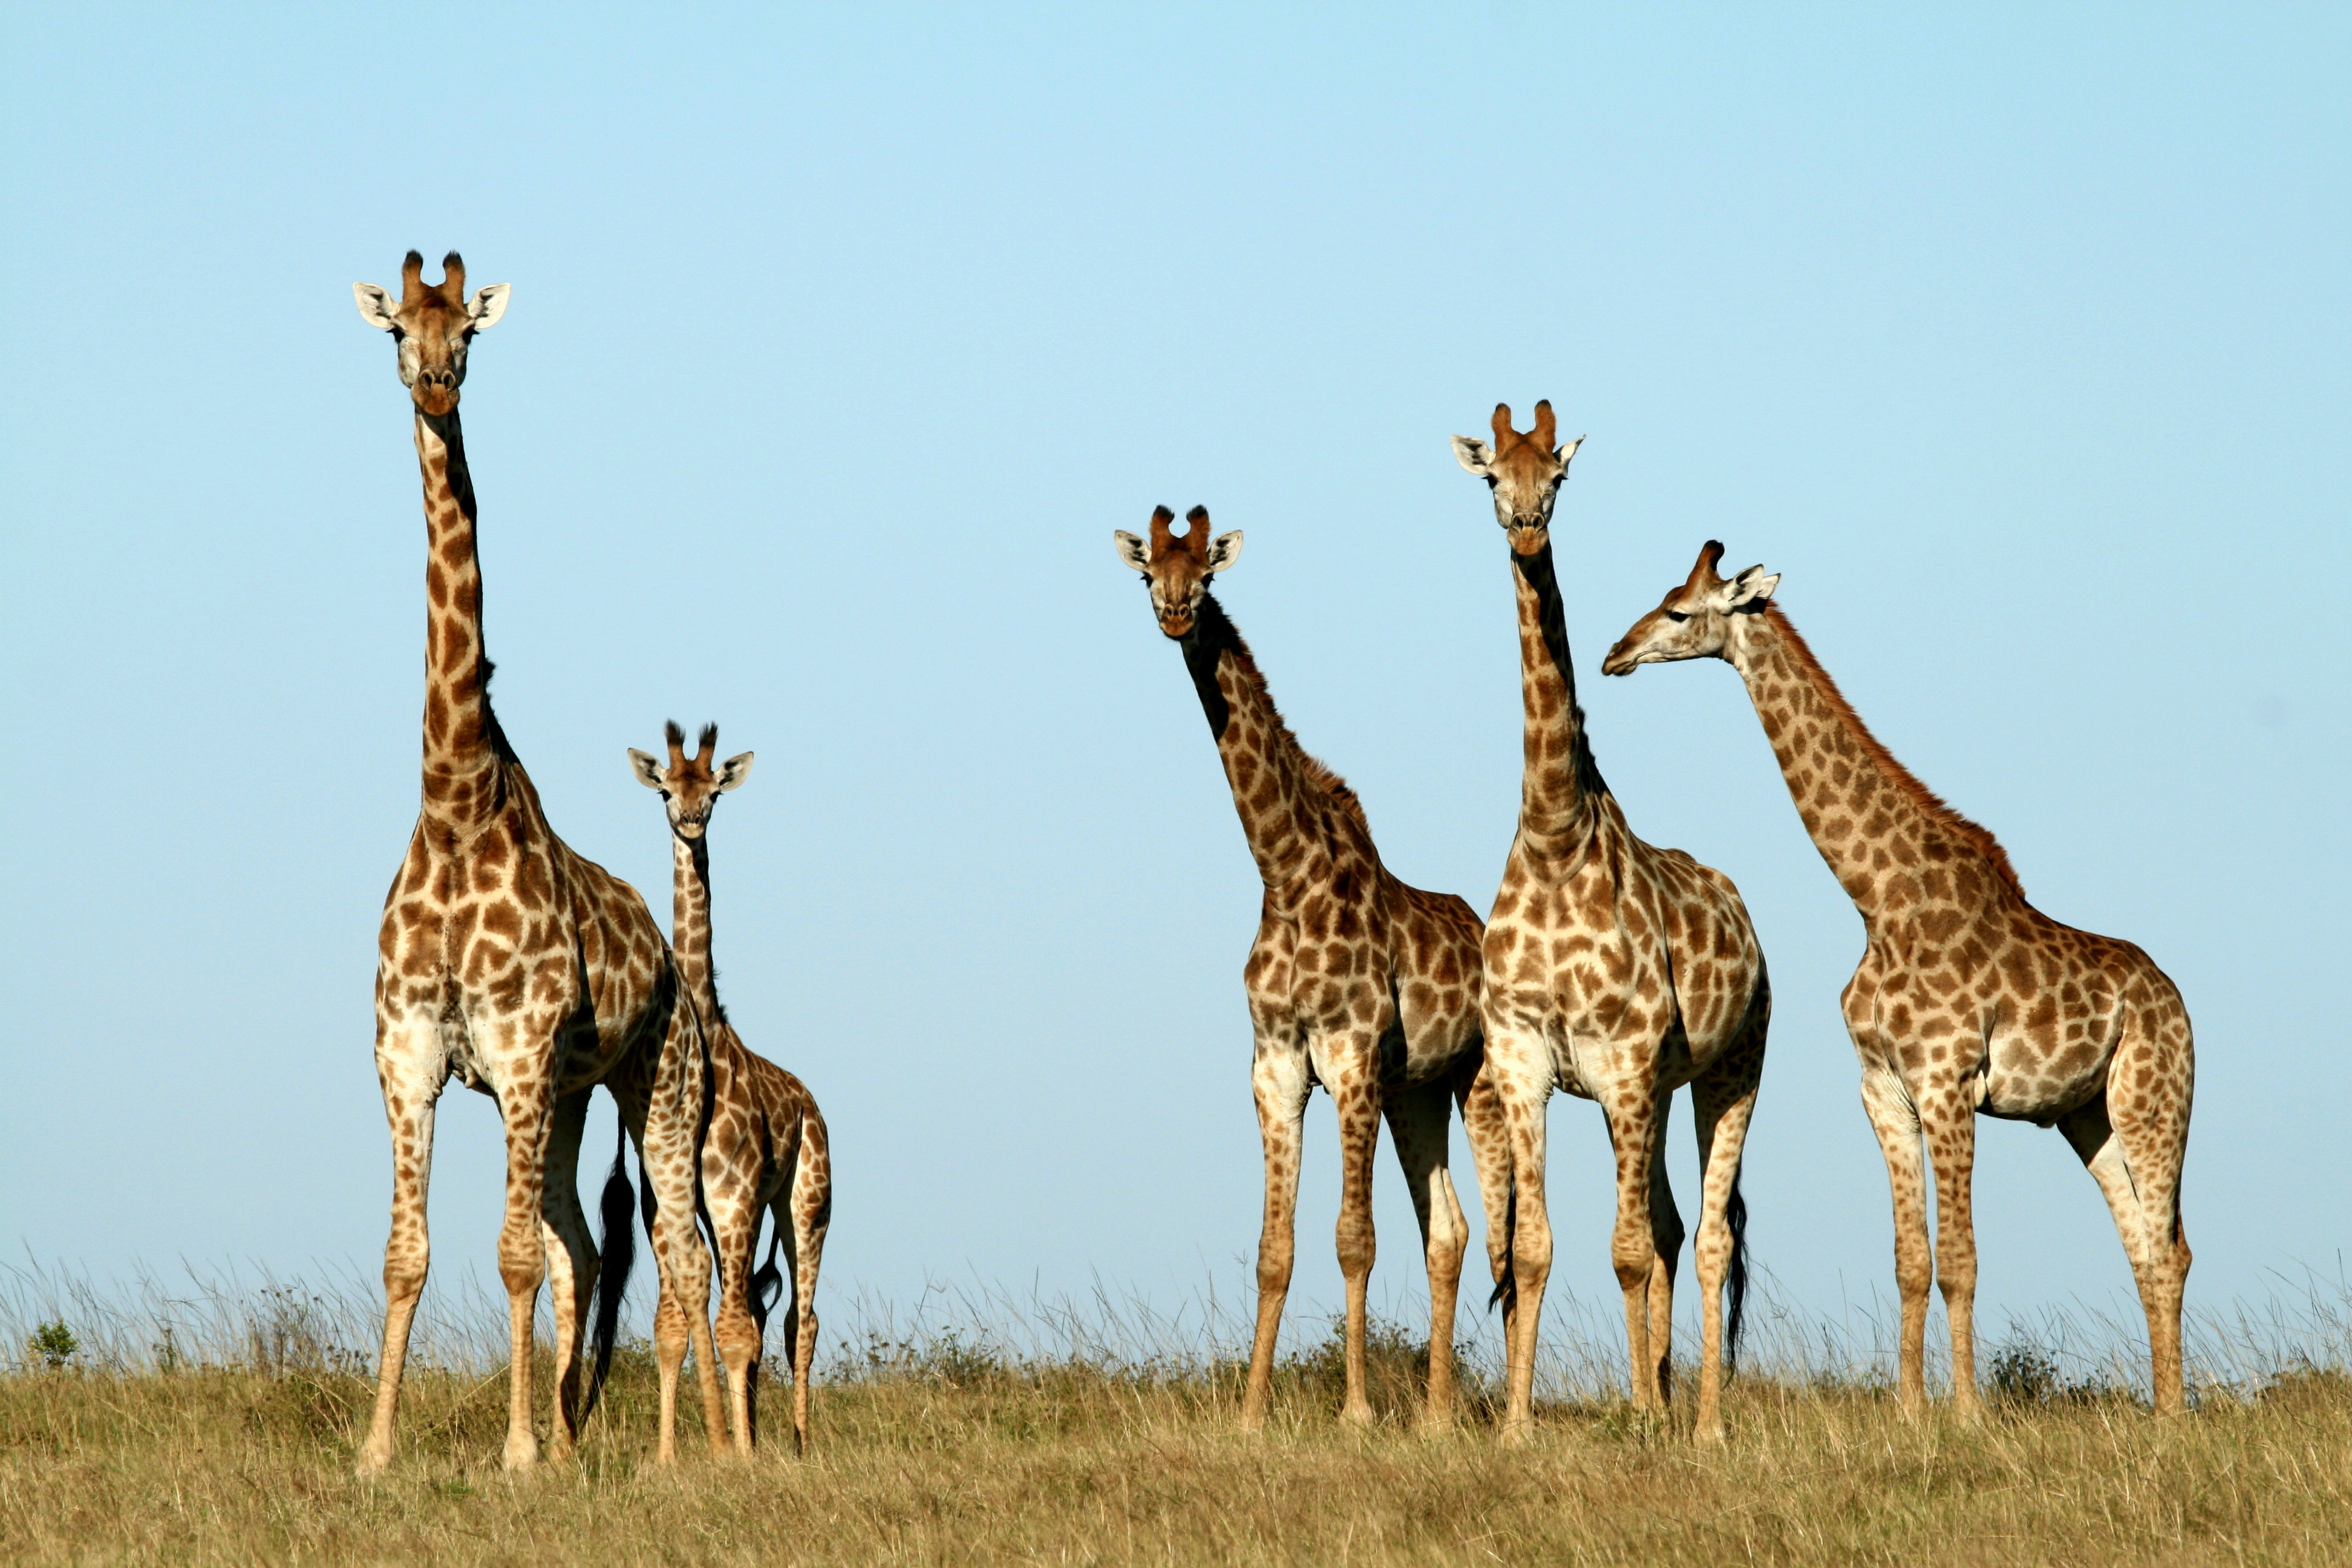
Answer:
x=52 y=1344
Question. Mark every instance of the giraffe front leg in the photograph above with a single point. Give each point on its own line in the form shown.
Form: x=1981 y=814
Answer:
x=1950 y=1125
x=570 y=1255
x=522 y=1254
x=1896 y=1123
x=1630 y=1109
x=674 y=1125
x=735 y=1223
x=408 y=1063
x=1279 y=1083
x=1349 y=1066
x=1518 y=1077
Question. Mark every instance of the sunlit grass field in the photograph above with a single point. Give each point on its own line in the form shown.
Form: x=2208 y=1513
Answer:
x=988 y=1433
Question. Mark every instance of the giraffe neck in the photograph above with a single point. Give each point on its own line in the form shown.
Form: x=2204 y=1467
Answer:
x=1561 y=785
x=689 y=921
x=463 y=744
x=1273 y=778
x=1892 y=844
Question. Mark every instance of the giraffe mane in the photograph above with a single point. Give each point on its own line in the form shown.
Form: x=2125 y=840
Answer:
x=1974 y=834
x=1316 y=773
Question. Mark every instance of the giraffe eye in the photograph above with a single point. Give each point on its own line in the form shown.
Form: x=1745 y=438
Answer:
x=1676 y=616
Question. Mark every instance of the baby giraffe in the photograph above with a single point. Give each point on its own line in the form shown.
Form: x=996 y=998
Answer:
x=1968 y=1000
x=765 y=1147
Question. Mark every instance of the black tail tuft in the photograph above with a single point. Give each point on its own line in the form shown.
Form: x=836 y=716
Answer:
x=768 y=1284
x=1507 y=1286
x=1734 y=1214
x=619 y=1246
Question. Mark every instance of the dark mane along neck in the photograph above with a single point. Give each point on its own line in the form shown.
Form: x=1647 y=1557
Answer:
x=1906 y=784
x=1548 y=707
x=1214 y=638
x=690 y=924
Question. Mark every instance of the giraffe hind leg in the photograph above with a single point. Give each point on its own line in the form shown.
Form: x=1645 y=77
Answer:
x=1417 y=1125
x=809 y=1217
x=1666 y=1247
x=1722 y=1102
x=571 y=1267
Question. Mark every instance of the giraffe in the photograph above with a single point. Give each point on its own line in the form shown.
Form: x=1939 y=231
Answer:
x=505 y=960
x=1356 y=980
x=1968 y=1000
x=766 y=1146
x=1619 y=972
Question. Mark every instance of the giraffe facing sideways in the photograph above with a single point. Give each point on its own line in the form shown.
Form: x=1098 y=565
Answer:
x=1968 y=1000
x=505 y=960
x=1356 y=980
x=1614 y=970
x=765 y=1149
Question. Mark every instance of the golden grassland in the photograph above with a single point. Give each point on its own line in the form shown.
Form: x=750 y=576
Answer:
x=950 y=1453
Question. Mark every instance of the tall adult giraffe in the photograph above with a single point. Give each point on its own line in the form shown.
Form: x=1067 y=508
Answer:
x=1356 y=982
x=1617 y=971
x=1968 y=1000
x=765 y=1148
x=507 y=960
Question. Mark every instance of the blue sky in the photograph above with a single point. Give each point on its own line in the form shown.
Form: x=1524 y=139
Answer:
x=2017 y=341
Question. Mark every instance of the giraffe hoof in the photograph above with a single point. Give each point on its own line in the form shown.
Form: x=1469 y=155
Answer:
x=373 y=1462
x=522 y=1451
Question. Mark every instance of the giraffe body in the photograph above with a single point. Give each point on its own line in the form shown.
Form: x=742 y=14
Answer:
x=505 y=960
x=1968 y=1000
x=1616 y=971
x=765 y=1149
x=1355 y=981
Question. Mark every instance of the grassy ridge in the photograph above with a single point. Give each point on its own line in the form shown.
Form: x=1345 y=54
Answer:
x=945 y=1450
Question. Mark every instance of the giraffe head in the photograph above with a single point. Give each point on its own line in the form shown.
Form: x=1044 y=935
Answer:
x=689 y=787
x=432 y=325
x=1524 y=471
x=1697 y=620
x=1177 y=567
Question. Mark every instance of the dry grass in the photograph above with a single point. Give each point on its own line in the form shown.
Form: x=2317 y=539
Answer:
x=945 y=1446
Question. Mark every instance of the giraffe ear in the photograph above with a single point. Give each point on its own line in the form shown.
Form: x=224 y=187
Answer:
x=734 y=770
x=1133 y=553
x=1752 y=588
x=1473 y=455
x=648 y=771
x=488 y=305
x=1568 y=452
x=1225 y=550
x=375 y=307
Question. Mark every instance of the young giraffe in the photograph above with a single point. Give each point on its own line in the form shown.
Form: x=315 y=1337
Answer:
x=1968 y=998
x=1619 y=972
x=505 y=960
x=766 y=1147
x=1356 y=980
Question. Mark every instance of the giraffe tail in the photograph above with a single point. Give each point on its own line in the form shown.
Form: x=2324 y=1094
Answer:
x=769 y=1282
x=1506 y=1284
x=1734 y=1214
x=619 y=1246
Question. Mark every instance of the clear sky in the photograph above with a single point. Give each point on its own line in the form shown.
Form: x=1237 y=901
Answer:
x=2015 y=338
